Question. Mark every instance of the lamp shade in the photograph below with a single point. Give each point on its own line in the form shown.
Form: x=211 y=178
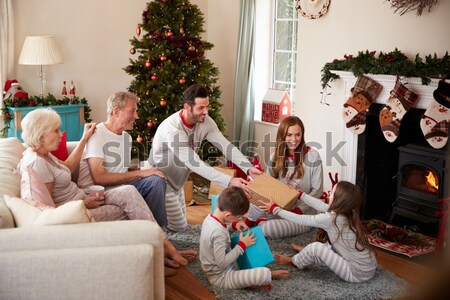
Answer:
x=40 y=50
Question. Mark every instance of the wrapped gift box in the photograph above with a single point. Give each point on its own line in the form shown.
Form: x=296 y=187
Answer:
x=265 y=186
x=214 y=199
x=258 y=254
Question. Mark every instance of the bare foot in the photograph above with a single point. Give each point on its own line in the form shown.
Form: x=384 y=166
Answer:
x=282 y=259
x=169 y=272
x=171 y=253
x=189 y=254
x=170 y=263
x=279 y=274
x=296 y=247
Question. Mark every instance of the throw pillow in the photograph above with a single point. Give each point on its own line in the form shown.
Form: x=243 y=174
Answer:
x=34 y=190
x=23 y=213
x=62 y=153
x=26 y=214
x=69 y=213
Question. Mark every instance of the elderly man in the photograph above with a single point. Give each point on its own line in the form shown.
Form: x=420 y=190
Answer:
x=108 y=154
x=173 y=152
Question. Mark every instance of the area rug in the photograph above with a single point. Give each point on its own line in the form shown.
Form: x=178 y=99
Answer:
x=408 y=243
x=315 y=282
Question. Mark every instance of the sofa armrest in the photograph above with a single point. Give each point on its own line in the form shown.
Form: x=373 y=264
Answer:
x=101 y=235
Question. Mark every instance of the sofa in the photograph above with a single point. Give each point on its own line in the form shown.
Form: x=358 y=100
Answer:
x=99 y=260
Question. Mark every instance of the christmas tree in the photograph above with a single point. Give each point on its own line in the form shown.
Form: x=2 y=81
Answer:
x=170 y=57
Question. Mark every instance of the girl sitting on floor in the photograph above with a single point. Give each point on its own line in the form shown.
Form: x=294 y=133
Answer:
x=342 y=243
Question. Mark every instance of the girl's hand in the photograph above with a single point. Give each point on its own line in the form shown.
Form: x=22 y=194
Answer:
x=241 y=226
x=248 y=239
x=93 y=202
x=266 y=205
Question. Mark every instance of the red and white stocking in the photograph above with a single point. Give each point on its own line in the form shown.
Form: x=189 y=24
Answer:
x=436 y=119
x=400 y=101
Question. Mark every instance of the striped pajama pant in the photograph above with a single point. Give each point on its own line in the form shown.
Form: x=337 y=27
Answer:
x=238 y=279
x=175 y=209
x=276 y=228
x=322 y=254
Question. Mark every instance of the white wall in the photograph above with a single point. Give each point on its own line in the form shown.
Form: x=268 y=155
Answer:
x=351 y=26
x=94 y=39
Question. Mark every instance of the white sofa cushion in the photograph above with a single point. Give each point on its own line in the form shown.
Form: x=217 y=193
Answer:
x=10 y=154
x=27 y=214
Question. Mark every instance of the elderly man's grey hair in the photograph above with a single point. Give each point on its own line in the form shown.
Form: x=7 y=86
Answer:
x=119 y=100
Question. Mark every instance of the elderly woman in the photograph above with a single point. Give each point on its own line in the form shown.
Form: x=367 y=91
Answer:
x=42 y=134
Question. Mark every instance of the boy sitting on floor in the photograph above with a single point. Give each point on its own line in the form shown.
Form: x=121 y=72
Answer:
x=218 y=261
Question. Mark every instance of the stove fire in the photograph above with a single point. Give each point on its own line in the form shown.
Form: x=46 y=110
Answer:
x=432 y=182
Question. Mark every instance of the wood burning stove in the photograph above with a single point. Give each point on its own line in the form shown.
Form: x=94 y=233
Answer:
x=423 y=178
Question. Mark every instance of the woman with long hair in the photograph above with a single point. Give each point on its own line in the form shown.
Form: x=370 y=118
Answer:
x=297 y=165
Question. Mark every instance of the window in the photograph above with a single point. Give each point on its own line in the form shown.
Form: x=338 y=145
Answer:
x=284 y=46
x=276 y=49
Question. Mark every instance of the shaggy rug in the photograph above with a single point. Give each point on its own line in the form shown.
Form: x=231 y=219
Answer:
x=315 y=282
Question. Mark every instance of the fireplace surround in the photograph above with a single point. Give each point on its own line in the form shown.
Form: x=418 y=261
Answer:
x=373 y=162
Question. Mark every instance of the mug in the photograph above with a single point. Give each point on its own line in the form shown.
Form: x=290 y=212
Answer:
x=97 y=191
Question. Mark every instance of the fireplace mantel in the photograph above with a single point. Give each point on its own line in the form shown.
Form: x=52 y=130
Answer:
x=349 y=151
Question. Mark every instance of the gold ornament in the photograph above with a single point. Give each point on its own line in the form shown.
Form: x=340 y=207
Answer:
x=191 y=48
x=181 y=30
x=163 y=102
x=138 y=30
x=139 y=139
x=133 y=50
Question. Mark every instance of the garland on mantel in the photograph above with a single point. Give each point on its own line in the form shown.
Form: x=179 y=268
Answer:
x=391 y=63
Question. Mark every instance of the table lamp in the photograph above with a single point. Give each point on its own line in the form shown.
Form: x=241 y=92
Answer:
x=40 y=50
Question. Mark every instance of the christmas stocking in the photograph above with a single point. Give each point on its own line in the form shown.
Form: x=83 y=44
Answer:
x=400 y=101
x=435 y=121
x=363 y=95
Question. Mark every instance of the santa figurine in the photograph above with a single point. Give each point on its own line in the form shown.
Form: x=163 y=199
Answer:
x=64 y=89
x=72 y=90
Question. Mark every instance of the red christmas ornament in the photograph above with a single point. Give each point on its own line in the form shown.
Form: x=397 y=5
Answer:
x=182 y=80
x=150 y=124
x=148 y=64
x=163 y=57
x=164 y=1
x=133 y=50
x=169 y=33
x=138 y=30
x=162 y=102
x=154 y=77
x=139 y=139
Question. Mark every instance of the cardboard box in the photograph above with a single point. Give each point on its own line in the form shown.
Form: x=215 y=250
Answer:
x=188 y=191
x=258 y=254
x=265 y=186
x=215 y=189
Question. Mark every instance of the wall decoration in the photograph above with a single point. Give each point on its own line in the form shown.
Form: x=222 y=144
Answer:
x=404 y=6
x=312 y=9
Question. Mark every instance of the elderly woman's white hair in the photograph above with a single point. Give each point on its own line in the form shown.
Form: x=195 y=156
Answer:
x=38 y=123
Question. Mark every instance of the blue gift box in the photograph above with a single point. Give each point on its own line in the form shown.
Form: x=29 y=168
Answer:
x=214 y=199
x=258 y=254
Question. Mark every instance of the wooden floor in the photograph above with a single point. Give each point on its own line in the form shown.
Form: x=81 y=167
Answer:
x=184 y=286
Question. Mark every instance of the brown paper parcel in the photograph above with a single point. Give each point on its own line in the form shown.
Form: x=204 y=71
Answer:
x=265 y=186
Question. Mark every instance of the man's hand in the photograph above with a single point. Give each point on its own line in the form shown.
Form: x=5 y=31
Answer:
x=153 y=171
x=254 y=172
x=239 y=182
x=248 y=239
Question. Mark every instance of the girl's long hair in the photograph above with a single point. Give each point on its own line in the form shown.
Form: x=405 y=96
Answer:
x=280 y=162
x=347 y=201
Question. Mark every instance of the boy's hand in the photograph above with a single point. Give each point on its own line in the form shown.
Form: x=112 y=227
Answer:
x=241 y=226
x=248 y=239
